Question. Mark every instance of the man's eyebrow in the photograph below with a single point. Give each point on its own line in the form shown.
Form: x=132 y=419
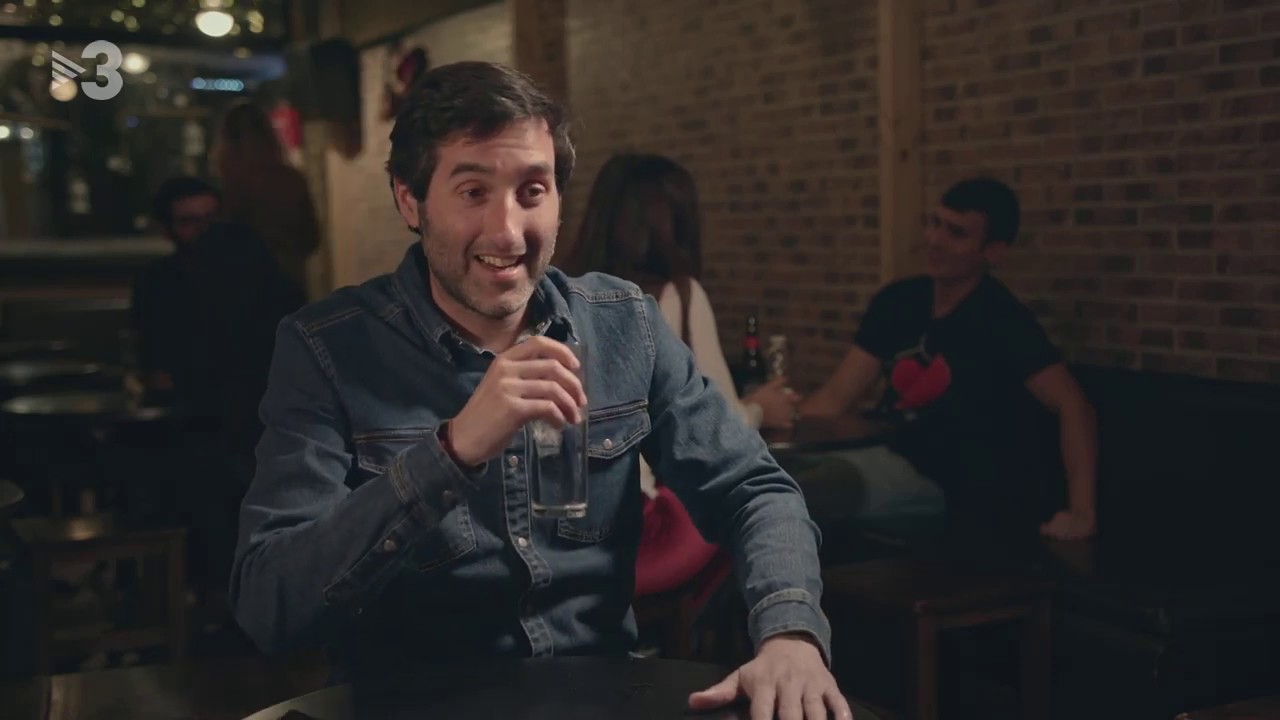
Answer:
x=539 y=169
x=470 y=167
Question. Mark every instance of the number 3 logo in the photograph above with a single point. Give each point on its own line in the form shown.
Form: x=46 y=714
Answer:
x=108 y=70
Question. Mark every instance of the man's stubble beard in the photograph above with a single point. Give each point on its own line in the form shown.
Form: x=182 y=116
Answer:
x=453 y=287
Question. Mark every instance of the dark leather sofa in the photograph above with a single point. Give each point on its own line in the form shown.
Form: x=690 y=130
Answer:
x=1176 y=604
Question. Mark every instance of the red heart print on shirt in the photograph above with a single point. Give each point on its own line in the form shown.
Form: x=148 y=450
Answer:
x=918 y=385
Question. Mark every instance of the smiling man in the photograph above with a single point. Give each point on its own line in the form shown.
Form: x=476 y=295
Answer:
x=390 y=518
x=965 y=364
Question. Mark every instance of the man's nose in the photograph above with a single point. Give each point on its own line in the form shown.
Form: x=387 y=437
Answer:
x=502 y=219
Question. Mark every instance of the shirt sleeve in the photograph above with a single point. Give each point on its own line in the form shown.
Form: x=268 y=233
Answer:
x=312 y=550
x=735 y=492
x=874 y=333
x=1026 y=347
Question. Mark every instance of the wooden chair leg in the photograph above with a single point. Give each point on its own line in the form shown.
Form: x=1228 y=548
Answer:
x=43 y=590
x=922 y=670
x=1037 y=662
x=684 y=618
x=177 y=600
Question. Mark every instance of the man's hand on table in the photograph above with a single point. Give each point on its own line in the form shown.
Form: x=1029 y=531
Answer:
x=787 y=676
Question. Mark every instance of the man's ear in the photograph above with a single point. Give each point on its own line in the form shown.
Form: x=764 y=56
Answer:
x=406 y=204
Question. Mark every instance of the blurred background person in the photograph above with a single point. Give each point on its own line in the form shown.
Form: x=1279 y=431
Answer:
x=642 y=225
x=263 y=191
x=161 y=308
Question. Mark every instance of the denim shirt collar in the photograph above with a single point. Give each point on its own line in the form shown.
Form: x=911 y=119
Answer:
x=550 y=309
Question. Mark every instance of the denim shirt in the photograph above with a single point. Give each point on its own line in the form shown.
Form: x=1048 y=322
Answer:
x=360 y=533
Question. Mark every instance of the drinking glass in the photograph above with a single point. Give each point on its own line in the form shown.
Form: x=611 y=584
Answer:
x=558 y=473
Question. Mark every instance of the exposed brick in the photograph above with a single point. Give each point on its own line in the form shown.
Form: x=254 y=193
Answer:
x=1215 y=291
x=1249 y=212
x=1250 y=51
x=1182 y=364
x=1270 y=22
x=1178 y=214
x=1181 y=264
x=1241 y=5
x=1249 y=370
x=1252 y=264
x=1251 y=317
x=1139 y=287
x=1217 y=342
x=1226 y=28
x=1102 y=310
x=1170 y=314
x=1249 y=105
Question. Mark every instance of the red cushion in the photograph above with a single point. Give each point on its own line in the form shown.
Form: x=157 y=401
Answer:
x=672 y=551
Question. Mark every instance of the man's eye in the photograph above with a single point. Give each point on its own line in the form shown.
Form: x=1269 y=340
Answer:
x=473 y=193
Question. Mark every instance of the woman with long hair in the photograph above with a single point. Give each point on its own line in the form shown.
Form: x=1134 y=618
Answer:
x=641 y=224
x=262 y=191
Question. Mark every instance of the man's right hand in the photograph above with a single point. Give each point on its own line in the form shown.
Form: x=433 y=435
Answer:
x=534 y=380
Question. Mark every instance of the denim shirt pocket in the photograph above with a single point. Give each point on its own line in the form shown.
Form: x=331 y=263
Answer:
x=612 y=432
x=376 y=451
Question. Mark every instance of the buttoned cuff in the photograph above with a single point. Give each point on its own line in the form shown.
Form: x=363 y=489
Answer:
x=790 y=611
x=425 y=475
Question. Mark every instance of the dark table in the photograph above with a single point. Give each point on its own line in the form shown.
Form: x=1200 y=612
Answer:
x=99 y=407
x=542 y=689
x=69 y=430
x=23 y=373
x=827 y=434
x=1266 y=708
x=223 y=689
x=32 y=349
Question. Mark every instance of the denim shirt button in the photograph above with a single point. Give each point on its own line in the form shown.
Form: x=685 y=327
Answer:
x=512 y=460
x=388 y=545
x=449 y=498
x=608 y=444
x=522 y=542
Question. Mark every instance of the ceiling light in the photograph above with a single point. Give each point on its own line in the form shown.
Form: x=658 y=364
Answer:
x=214 y=23
x=64 y=92
x=135 y=63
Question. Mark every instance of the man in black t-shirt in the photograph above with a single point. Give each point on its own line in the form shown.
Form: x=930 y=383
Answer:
x=964 y=364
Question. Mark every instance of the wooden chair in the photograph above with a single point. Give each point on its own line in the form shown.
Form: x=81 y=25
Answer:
x=676 y=611
x=928 y=597
x=91 y=539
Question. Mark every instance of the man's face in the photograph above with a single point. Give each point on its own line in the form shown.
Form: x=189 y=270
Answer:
x=955 y=245
x=191 y=217
x=489 y=220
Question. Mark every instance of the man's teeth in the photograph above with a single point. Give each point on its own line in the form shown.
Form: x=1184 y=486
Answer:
x=497 y=262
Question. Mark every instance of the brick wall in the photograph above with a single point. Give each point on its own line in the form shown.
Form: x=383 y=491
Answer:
x=1143 y=140
x=368 y=236
x=1141 y=134
x=772 y=106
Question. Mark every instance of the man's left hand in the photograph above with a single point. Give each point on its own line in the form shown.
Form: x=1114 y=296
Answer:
x=786 y=676
x=1070 y=525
